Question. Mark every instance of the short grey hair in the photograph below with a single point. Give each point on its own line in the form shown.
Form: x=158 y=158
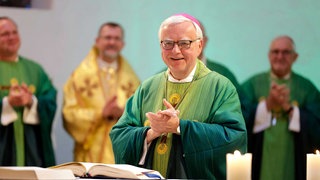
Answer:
x=176 y=19
x=289 y=38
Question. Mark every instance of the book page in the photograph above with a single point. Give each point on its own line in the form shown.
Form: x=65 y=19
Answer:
x=87 y=169
x=79 y=169
x=122 y=171
x=141 y=173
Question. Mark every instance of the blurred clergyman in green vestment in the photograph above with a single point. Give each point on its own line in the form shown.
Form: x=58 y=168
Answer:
x=283 y=116
x=28 y=105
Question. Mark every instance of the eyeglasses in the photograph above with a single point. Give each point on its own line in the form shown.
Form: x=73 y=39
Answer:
x=283 y=52
x=182 y=44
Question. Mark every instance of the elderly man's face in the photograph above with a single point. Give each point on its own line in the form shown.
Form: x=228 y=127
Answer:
x=180 y=61
x=282 y=56
x=9 y=38
x=110 y=42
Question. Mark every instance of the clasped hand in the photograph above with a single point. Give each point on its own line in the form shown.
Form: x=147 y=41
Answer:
x=20 y=96
x=279 y=97
x=112 y=110
x=163 y=121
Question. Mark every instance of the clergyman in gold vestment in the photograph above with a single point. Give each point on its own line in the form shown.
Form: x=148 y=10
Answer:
x=95 y=96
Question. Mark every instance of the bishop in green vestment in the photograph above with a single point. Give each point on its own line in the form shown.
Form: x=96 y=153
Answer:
x=26 y=120
x=283 y=122
x=183 y=121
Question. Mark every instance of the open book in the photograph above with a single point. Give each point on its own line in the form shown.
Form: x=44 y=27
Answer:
x=30 y=172
x=86 y=169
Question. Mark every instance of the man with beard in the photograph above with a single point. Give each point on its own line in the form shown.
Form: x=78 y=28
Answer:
x=95 y=96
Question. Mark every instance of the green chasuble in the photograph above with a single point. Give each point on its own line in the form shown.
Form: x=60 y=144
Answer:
x=27 y=144
x=219 y=68
x=223 y=70
x=211 y=125
x=279 y=153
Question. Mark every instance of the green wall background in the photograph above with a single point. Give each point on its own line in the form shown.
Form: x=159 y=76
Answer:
x=59 y=35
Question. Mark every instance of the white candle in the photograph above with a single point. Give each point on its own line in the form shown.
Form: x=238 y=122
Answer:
x=239 y=166
x=313 y=166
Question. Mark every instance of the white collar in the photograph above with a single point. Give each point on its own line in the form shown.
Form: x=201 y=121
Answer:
x=105 y=65
x=286 y=77
x=187 y=79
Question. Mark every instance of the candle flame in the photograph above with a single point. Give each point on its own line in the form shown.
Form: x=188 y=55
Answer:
x=237 y=153
x=317 y=152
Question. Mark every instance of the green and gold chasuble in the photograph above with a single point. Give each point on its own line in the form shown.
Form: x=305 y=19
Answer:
x=85 y=95
x=278 y=146
x=175 y=94
x=25 y=144
x=211 y=125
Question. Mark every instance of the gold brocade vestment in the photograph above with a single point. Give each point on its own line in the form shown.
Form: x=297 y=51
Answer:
x=85 y=95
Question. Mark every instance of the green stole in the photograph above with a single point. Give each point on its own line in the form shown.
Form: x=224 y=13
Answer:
x=19 y=138
x=14 y=72
x=174 y=93
x=278 y=146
